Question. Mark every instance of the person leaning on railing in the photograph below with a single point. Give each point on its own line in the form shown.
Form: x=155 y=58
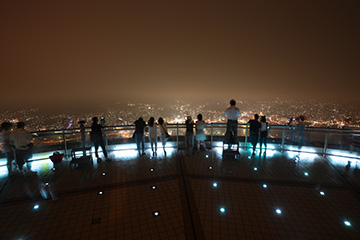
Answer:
x=21 y=140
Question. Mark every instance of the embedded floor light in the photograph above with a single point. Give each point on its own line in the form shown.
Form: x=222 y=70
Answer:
x=36 y=206
x=249 y=157
x=306 y=173
x=157 y=213
x=222 y=210
x=104 y=173
x=47 y=184
x=207 y=156
x=101 y=192
x=153 y=187
x=278 y=211
x=215 y=184
x=151 y=169
x=255 y=169
x=210 y=167
x=347 y=223
x=322 y=193
x=53 y=169
x=265 y=186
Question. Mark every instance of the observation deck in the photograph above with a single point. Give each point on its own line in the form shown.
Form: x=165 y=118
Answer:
x=288 y=193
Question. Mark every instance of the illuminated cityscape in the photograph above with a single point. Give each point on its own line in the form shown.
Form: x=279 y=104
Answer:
x=317 y=114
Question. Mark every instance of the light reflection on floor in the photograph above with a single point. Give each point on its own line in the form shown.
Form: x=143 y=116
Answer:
x=128 y=152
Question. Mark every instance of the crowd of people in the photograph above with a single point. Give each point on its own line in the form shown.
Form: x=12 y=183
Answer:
x=17 y=144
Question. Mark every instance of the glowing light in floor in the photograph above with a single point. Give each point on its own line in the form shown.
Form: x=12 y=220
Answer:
x=210 y=167
x=255 y=169
x=153 y=187
x=151 y=169
x=207 y=156
x=101 y=192
x=215 y=184
x=157 y=213
x=47 y=184
x=36 y=206
x=347 y=223
x=278 y=211
x=222 y=210
x=322 y=193
x=306 y=173
x=104 y=173
x=265 y=186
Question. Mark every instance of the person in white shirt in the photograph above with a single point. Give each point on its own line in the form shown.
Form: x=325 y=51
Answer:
x=263 y=132
x=232 y=113
x=21 y=140
x=152 y=129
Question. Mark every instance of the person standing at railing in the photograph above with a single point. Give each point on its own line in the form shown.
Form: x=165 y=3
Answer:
x=200 y=134
x=139 y=135
x=83 y=135
x=232 y=113
x=5 y=141
x=189 y=135
x=152 y=130
x=254 y=131
x=263 y=132
x=21 y=140
x=163 y=132
x=97 y=138
x=300 y=128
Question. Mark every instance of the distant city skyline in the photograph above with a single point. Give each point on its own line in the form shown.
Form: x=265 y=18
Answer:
x=72 y=54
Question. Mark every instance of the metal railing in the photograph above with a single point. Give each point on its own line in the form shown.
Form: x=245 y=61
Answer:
x=325 y=141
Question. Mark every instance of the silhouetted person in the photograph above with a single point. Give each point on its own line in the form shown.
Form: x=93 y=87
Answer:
x=21 y=140
x=163 y=132
x=189 y=135
x=200 y=134
x=152 y=129
x=254 y=131
x=97 y=138
x=83 y=136
x=300 y=131
x=5 y=140
x=232 y=113
x=139 y=135
x=263 y=132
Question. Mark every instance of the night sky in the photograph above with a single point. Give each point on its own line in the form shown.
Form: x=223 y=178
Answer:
x=79 y=51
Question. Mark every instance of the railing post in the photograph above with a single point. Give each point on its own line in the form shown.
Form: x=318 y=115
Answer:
x=282 y=139
x=65 y=144
x=325 y=143
x=211 y=136
x=177 y=136
x=246 y=135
